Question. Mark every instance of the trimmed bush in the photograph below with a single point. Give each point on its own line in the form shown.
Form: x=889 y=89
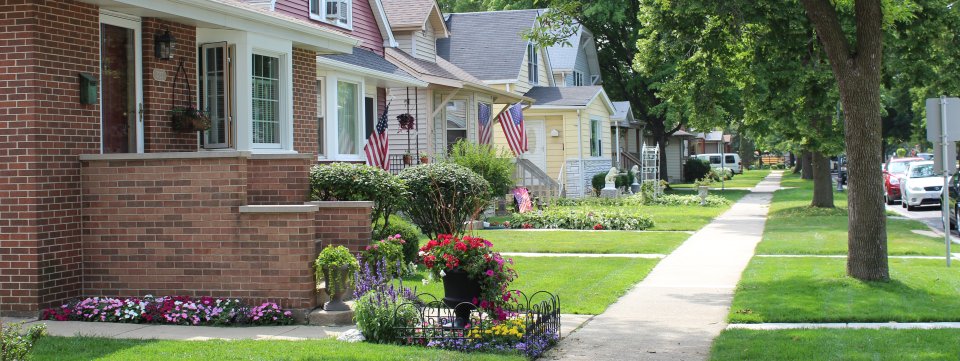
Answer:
x=567 y=218
x=15 y=344
x=358 y=182
x=407 y=231
x=443 y=196
x=598 y=181
x=695 y=169
x=490 y=163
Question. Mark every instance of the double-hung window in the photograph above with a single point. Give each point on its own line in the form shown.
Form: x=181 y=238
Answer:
x=596 y=144
x=456 y=122
x=577 y=78
x=533 y=66
x=321 y=118
x=336 y=12
x=348 y=118
x=266 y=115
x=216 y=97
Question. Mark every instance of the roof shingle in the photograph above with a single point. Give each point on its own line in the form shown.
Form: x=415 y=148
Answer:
x=573 y=96
x=489 y=45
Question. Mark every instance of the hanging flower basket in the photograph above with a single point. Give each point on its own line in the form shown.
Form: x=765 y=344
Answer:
x=407 y=122
x=189 y=119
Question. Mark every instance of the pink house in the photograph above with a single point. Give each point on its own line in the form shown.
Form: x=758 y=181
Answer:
x=101 y=195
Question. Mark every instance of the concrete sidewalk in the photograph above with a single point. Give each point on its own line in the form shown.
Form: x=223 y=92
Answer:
x=677 y=311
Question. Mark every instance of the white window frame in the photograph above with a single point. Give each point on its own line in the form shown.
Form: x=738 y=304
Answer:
x=321 y=83
x=332 y=131
x=466 y=122
x=596 y=138
x=318 y=11
x=533 y=66
x=577 y=78
x=284 y=104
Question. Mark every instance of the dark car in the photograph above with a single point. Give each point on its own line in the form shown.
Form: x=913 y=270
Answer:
x=954 y=194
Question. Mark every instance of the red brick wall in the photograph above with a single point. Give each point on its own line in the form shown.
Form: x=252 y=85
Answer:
x=305 y=101
x=349 y=227
x=167 y=227
x=161 y=96
x=43 y=127
x=275 y=180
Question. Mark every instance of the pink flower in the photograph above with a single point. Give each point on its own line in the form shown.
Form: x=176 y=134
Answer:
x=489 y=273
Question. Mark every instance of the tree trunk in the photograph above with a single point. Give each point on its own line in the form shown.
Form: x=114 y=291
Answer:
x=822 y=185
x=807 y=169
x=856 y=66
x=797 y=165
x=661 y=136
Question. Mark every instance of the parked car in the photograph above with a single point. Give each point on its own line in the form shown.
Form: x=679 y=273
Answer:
x=731 y=161
x=893 y=170
x=920 y=186
x=954 y=194
x=925 y=156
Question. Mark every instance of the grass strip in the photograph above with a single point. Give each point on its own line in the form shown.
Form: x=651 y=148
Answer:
x=837 y=344
x=584 y=241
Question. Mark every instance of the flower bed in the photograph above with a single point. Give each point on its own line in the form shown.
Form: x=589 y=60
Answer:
x=175 y=310
x=571 y=218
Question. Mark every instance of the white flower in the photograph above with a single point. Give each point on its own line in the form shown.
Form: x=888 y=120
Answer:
x=443 y=274
x=421 y=253
x=425 y=281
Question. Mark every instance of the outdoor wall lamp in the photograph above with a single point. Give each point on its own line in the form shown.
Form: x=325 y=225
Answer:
x=164 y=45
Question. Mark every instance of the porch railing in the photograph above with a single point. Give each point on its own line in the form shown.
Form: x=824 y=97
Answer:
x=537 y=182
x=628 y=160
x=397 y=164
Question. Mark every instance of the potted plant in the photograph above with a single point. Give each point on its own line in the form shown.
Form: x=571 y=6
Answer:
x=703 y=187
x=336 y=266
x=407 y=158
x=189 y=119
x=424 y=158
x=474 y=276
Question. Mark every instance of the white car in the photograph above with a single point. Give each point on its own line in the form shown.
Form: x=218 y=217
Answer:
x=729 y=161
x=920 y=185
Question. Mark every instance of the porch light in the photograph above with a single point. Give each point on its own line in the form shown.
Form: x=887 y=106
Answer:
x=164 y=45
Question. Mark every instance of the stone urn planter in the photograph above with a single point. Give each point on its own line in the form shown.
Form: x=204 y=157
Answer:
x=336 y=266
x=702 y=193
x=336 y=287
x=459 y=291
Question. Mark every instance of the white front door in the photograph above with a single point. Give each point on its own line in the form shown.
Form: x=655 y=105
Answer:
x=536 y=143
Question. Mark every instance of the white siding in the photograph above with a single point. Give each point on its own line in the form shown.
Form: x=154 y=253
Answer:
x=426 y=47
x=419 y=101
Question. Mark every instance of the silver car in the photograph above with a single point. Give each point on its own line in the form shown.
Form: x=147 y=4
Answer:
x=920 y=185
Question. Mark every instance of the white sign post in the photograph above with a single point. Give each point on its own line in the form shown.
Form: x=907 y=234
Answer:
x=943 y=126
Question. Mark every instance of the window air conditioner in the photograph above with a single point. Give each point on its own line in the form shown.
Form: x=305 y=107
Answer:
x=334 y=9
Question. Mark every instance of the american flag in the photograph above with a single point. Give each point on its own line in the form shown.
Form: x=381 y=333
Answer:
x=511 y=121
x=483 y=114
x=522 y=196
x=377 y=144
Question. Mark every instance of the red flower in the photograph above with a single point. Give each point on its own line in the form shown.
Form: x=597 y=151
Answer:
x=460 y=246
x=598 y=227
x=429 y=260
x=527 y=225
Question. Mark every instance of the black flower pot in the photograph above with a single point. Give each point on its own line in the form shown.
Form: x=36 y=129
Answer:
x=459 y=291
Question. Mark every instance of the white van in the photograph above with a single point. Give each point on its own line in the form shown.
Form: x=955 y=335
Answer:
x=731 y=161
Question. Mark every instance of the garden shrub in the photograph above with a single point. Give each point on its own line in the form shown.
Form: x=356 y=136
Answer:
x=625 y=179
x=443 y=196
x=359 y=182
x=695 y=169
x=381 y=305
x=687 y=200
x=407 y=231
x=15 y=345
x=598 y=181
x=491 y=163
x=390 y=251
x=573 y=218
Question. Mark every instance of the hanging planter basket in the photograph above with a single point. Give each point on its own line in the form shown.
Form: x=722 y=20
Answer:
x=407 y=122
x=186 y=118
x=189 y=119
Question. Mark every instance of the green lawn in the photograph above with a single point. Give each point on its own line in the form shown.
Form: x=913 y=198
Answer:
x=681 y=218
x=748 y=179
x=585 y=285
x=583 y=241
x=795 y=228
x=88 y=348
x=824 y=344
x=818 y=290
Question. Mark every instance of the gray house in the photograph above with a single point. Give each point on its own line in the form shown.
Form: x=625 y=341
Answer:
x=575 y=63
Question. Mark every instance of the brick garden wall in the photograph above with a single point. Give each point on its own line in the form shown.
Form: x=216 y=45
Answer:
x=161 y=96
x=43 y=127
x=278 y=179
x=180 y=226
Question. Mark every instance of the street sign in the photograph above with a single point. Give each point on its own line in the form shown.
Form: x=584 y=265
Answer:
x=933 y=119
x=951 y=158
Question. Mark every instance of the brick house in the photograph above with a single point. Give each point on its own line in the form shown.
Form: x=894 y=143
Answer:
x=100 y=196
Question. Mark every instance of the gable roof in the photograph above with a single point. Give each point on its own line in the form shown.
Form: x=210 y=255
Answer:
x=489 y=45
x=405 y=15
x=370 y=62
x=564 y=57
x=621 y=110
x=568 y=97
